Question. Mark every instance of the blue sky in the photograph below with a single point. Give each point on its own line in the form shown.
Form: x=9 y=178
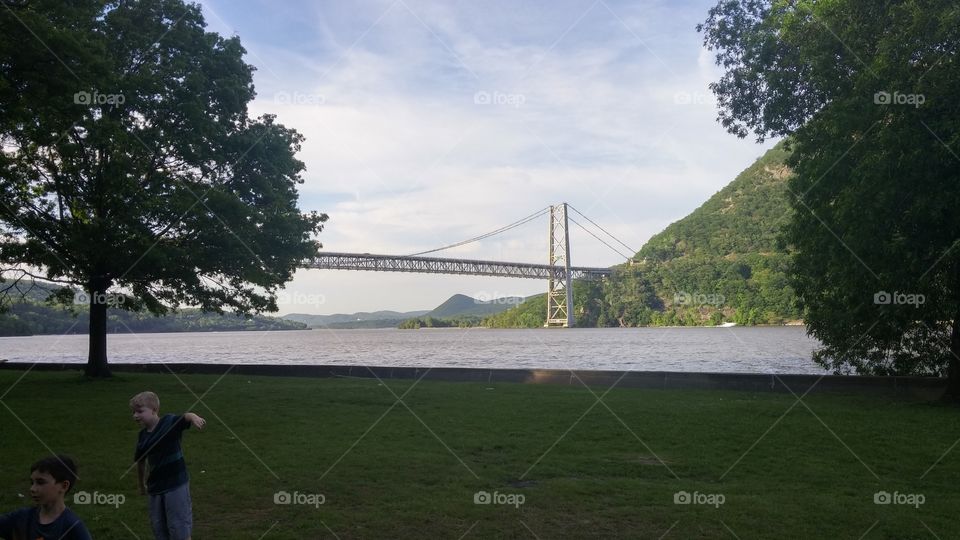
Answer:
x=429 y=122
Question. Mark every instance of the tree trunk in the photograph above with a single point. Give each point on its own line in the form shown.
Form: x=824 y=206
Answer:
x=953 y=370
x=97 y=357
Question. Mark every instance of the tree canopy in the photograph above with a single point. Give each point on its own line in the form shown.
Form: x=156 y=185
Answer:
x=867 y=92
x=131 y=168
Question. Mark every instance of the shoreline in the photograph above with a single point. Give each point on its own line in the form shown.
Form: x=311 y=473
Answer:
x=928 y=388
x=791 y=324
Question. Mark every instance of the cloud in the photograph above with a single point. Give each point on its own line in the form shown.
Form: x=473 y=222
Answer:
x=427 y=123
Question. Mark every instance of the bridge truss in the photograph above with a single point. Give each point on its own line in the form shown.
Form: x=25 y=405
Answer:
x=439 y=265
x=559 y=273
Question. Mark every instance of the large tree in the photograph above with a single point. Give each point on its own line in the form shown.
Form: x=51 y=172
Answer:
x=869 y=95
x=131 y=169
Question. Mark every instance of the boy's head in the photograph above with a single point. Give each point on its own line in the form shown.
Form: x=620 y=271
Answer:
x=145 y=407
x=51 y=478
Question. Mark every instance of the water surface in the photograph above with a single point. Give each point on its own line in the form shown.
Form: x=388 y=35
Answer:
x=732 y=350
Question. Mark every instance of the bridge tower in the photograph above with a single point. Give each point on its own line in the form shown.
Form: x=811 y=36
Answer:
x=560 y=288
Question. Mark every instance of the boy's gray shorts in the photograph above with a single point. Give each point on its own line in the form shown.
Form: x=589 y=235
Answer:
x=171 y=514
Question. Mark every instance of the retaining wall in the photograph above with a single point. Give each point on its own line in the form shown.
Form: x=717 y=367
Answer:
x=902 y=387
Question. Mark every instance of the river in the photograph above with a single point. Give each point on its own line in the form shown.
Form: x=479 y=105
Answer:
x=730 y=350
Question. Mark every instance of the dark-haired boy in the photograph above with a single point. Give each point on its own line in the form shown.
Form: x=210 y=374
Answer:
x=51 y=479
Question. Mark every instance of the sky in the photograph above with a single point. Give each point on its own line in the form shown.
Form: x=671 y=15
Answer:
x=429 y=122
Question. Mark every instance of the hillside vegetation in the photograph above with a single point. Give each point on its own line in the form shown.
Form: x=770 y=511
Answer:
x=721 y=263
x=30 y=314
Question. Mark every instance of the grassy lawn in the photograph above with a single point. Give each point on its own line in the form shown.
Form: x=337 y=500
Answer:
x=412 y=469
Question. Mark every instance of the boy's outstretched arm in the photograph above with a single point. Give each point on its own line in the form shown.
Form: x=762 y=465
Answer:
x=141 y=472
x=194 y=420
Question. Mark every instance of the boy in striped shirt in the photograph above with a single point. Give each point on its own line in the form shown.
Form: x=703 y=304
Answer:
x=168 y=484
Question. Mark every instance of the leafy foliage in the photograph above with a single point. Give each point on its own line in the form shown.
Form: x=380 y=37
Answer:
x=130 y=164
x=532 y=313
x=722 y=262
x=874 y=127
x=461 y=321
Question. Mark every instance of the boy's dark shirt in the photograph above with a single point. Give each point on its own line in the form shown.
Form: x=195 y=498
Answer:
x=163 y=453
x=24 y=524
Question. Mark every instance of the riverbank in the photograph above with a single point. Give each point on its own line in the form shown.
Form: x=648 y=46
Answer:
x=358 y=463
x=923 y=388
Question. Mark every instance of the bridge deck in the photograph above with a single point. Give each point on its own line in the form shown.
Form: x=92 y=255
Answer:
x=437 y=265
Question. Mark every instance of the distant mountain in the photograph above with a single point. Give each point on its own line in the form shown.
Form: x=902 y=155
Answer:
x=462 y=311
x=353 y=325
x=457 y=306
x=341 y=319
x=460 y=305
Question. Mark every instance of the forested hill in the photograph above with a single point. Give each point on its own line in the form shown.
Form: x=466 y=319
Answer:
x=30 y=314
x=718 y=264
x=722 y=262
x=743 y=218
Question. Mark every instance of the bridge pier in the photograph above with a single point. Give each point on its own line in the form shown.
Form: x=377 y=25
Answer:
x=560 y=287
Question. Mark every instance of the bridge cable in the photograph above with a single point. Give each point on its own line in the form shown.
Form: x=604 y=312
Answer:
x=489 y=234
x=600 y=239
x=602 y=229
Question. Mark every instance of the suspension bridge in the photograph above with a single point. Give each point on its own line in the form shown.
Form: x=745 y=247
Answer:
x=558 y=272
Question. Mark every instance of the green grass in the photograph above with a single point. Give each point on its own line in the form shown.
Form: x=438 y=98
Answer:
x=386 y=474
